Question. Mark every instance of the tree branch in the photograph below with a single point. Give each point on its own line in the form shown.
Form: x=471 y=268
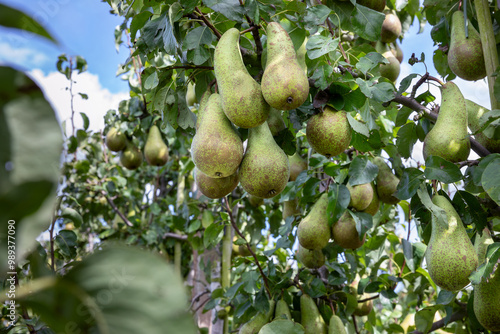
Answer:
x=368 y=299
x=188 y=66
x=207 y=22
x=115 y=209
x=441 y=323
x=175 y=236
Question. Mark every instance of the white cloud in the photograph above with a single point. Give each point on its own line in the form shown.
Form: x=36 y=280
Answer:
x=100 y=100
x=21 y=55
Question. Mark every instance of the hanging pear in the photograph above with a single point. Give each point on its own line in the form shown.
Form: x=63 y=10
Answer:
x=487 y=292
x=314 y=231
x=297 y=165
x=258 y=321
x=474 y=113
x=301 y=56
x=391 y=28
x=155 y=150
x=312 y=259
x=448 y=138
x=391 y=70
x=190 y=94
x=387 y=183
x=284 y=83
x=465 y=55
x=336 y=326
x=345 y=234
x=202 y=106
x=265 y=169
x=275 y=121
x=374 y=205
x=241 y=95
x=291 y=208
x=215 y=187
x=216 y=148
x=311 y=319
x=450 y=255
x=361 y=196
x=116 y=140
x=131 y=156
x=329 y=132
x=282 y=310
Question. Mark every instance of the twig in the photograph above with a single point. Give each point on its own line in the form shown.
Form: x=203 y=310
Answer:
x=468 y=163
x=441 y=323
x=355 y=324
x=207 y=22
x=233 y=223
x=368 y=299
x=201 y=305
x=418 y=84
x=51 y=233
x=330 y=28
x=197 y=297
x=254 y=27
x=188 y=66
x=175 y=236
x=115 y=209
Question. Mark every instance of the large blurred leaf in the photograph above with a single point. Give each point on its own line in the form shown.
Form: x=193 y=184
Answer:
x=116 y=290
x=13 y=18
x=491 y=180
x=409 y=183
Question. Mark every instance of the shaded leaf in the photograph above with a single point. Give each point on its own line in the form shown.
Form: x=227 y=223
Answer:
x=437 y=168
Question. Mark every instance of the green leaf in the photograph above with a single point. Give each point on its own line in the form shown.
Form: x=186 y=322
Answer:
x=406 y=83
x=338 y=200
x=319 y=45
x=362 y=171
x=409 y=183
x=13 y=18
x=358 y=126
x=379 y=91
x=369 y=62
x=138 y=22
x=199 y=55
x=116 y=290
x=213 y=235
x=484 y=270
x=73 y=215
x=364 y=222
x=490 y=180
x=425 y=318
x=367 y=23
x=445 y=297
x=151 y=81
x=282 y=326
x=229 y=8
x=66 y=241
x=197 y=37
x=408 y=253
x=315 y=16
x=437 y=168
x=436 y=211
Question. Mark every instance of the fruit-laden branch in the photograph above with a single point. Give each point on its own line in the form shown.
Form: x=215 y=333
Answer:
x=233 y=223
x=207 y=22
x=414 y=105
x=115 y=209
x=441 y=323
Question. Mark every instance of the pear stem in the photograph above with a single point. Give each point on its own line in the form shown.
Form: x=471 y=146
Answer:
x=489 y=45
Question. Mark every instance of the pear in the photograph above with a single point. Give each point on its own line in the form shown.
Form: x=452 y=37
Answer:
x=282 y=326
x=377 y=5
x=216 y=148
x=363 y=308
x=487 y=292
x=241 y=250
x=387 y=183
x=258 y=321
x=450 y=255
x=311 y=319
x=215 y=187
x=474 y=113
x=190 y=95
x=116 y=140
x=282 y=310
x=391 y=28
x=374 y=205
x=344 y=232
x=241 y=95
x=255 y=201
x=314 y=231
x=301 y=55
x=264 y=170
x=329 y=132
x=361 y=196
x=291 y=208
x=391 y=70
x=397 y=52
x=284 y=84
x=131 y=156
x=275 y=121
x=336 y=326
x=312 y=259
x=203 y=104
x=465 y=55
x=448 y=138
x=297 y=165
x=155 y=150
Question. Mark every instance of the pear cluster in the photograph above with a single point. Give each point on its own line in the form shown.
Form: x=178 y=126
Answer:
x=263 y=169
x=131 y=157
x=389 y=48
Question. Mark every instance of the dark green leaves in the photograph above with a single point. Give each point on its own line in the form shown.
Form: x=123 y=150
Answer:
x=367 y=23
x=198 y=37
x=319 y=45
x=362 y=171
x=66 y=242
x=370 y=61
x=409 y=183
x=229 y=8
x=407 y=137
x=491 y=180
x=437 y=168
x=338 y=200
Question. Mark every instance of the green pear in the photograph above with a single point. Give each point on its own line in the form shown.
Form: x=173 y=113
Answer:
x=190 y=95
x=449 y=138
x=216 y=148
x=387 y=183
x=241 y=95
x=336 y=326
x=312 y=259
x=282 y=326
x=329 y=132
x=377 y=5
x=131 y=156
x=203 y=104
x=363 y=308
x=297 y=165
x=291 y=208
x=391 y=28
x=282 y=310
x=255 y=201
x=374 y=205
x=311 y=319
x=391 y=70
x=242 y=250
x=284 y=84
x=450 y=255
x=215 y=187
x=116 y=140
x=397 y=52
x=275 y=121
x=258 y=321
x=474 y=113
x=487 y=292
x=465 y=55
x=314 y=231
x=155 y=150
x=345 y=234
x=301 y=55
x=361 y=196
x=265 y=169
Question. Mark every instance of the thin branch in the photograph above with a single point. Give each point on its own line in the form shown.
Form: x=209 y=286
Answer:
x=418 y=84
x=175 y=236
x=197 y=297
x=368 y=299
x=355 y=324
x=442 y=323
x=188 y=66
x=233 y=223
x=51 y=233
x=115 y=209
x=208 y=23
